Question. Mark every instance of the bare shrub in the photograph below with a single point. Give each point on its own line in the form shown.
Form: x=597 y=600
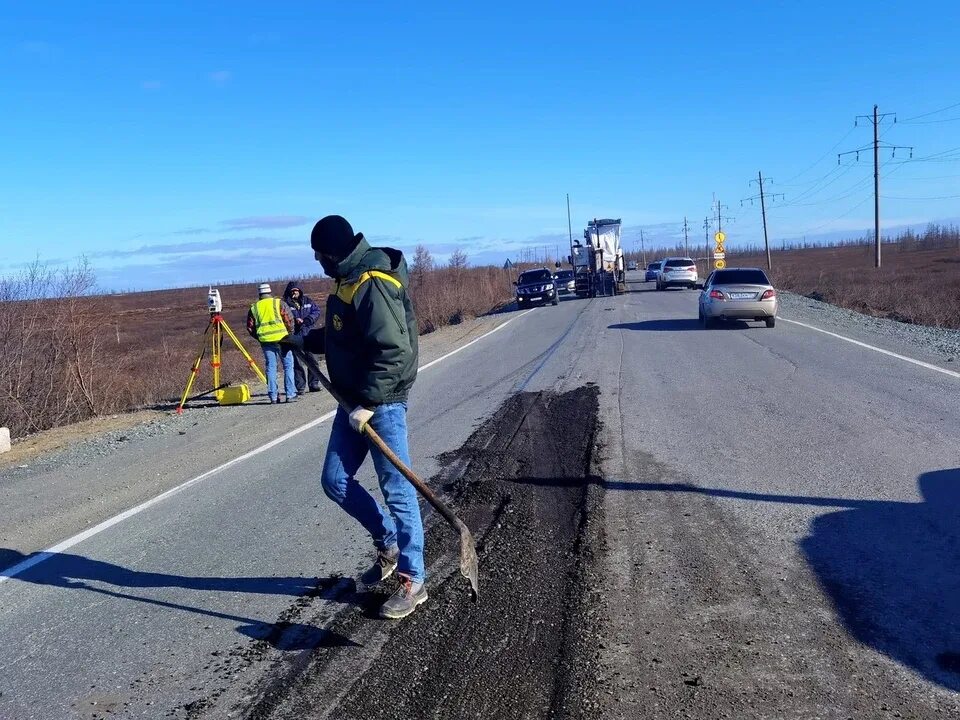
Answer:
x=51 y=362
x=448 y=295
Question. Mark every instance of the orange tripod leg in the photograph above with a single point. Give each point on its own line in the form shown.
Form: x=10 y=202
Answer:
x=250 y=360
x=195 y=370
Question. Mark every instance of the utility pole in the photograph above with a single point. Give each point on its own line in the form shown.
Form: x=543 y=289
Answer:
x=643 y=250
x=875 y=120
x=763 y=212
x=706 y=240
x=686 y=241
x=720 y=217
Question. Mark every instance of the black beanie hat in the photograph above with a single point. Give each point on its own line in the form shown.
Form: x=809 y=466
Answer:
x=334 y=236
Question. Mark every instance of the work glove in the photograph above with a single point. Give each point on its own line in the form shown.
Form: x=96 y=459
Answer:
x=359 y=417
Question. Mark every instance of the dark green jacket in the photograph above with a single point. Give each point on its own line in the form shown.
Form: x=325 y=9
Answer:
x=370 y=336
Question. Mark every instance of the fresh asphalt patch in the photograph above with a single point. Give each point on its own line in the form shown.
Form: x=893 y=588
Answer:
x=525 y=483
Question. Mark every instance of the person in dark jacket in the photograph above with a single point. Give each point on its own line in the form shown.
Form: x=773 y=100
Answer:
x=270 y=322
x=306 y=368
x=370 y=342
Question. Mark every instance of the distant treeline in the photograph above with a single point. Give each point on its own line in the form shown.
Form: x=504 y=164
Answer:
x=934 y=237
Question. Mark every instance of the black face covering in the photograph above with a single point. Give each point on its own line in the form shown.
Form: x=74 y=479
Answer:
x=329 y=266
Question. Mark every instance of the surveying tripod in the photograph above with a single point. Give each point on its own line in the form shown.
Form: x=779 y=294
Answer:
x=218 y=325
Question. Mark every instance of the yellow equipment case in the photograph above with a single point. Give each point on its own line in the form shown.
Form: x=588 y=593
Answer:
x=234 y=395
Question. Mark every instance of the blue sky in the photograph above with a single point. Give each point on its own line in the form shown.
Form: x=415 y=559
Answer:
x=175 y=143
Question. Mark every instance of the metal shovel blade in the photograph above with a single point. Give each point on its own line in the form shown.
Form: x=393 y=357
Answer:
x=469 y=564
x=468 y=549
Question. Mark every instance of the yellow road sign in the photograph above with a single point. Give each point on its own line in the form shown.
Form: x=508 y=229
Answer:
x=720 y=264
x=718 y=248
x=719 y=237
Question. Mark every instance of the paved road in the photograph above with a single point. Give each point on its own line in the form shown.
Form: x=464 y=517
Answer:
x=781 y=513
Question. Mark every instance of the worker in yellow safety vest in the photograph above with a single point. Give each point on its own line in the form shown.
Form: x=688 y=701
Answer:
x=270 y=322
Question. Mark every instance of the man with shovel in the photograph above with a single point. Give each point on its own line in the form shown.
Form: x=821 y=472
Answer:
x=370 y=340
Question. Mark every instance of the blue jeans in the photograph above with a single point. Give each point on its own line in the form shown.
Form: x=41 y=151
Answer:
x=270 y=353
x=400 y=524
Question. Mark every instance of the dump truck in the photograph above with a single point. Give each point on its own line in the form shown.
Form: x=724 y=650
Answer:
x=598 y=264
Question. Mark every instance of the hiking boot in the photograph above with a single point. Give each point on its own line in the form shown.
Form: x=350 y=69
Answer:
x=383 y=566
x=405 y=600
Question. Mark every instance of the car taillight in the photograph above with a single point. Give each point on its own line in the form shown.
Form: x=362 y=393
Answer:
x=692 y=269
x=717 y=295
x=771 y=293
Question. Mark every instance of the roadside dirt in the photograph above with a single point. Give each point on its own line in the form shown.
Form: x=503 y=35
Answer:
x=525 y=483
x=49 y=441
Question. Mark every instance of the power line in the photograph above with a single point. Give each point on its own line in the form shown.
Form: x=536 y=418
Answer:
x=807 y=231
x=844 y=194
x=932 y=122
x=941 y=197
x=810 y=192
x=932 y=112
x=820 y=159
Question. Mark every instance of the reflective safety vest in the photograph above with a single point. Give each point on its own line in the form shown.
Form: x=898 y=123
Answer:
x=268 y=320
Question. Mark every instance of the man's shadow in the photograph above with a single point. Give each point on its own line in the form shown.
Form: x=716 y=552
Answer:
x=64 y=570
x=891 y=569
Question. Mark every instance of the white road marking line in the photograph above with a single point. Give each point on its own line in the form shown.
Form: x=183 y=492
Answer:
x=475 y=340
x=109 y=523
x=921 y=363
x=126 y=514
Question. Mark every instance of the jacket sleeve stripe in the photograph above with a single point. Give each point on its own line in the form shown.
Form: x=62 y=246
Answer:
x=346 y=291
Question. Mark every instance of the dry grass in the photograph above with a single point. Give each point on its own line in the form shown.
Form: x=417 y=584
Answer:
x=919 y=285
x=66 y=356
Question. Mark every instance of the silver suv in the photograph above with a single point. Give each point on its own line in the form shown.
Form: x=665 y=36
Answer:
x=677 y=271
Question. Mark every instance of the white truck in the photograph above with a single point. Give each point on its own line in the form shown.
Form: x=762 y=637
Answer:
x=598 y=263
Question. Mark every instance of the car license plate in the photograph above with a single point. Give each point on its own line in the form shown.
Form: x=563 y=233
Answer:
x=742 y=296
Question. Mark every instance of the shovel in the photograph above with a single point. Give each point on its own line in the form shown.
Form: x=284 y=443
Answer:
x=468 y=549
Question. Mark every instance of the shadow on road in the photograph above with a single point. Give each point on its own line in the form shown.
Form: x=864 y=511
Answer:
x=890 y=568
x=670 y=325
x=677 y=324
x=76 y=572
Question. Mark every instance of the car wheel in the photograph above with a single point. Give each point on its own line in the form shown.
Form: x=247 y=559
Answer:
x=771 y=321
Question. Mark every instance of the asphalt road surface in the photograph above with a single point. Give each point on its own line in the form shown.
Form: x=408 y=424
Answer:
x=776 y=535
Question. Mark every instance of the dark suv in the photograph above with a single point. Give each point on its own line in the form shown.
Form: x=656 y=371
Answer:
x=536 y=286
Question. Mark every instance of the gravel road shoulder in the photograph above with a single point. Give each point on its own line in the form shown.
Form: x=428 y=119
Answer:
x=939 y=346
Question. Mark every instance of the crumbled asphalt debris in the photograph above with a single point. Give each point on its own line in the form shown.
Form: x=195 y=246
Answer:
x=524 y=482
